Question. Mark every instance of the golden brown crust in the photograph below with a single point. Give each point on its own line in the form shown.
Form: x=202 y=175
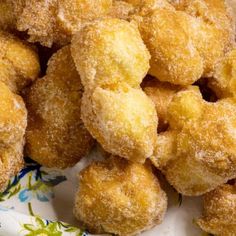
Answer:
x=219 y=212
x=119 y=197
x=123 y=122
x=55 y=134
x=72 y=14
x=13 y=119
x=217 y=15
x=108 y=61
x=19 y=63
x=38 y=19
x=51 y=21
x=188 y=42
x=198 y=154
x=167 y=36
x=112 y=61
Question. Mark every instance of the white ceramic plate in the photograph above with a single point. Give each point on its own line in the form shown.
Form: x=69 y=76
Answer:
x=41 y=199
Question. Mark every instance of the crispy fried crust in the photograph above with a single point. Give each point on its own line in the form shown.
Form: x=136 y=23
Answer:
x=112 y=61
x=19 y=63
x=219 y=212
x=167 y=36
x=55 y=134
x=119 y=197
x=51 y=21
x=13 y=119
x=218 y=16
x=188 y=42
x=198 y=152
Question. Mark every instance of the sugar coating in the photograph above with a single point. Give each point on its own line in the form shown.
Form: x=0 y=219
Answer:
x=112 y=61
x=19 y=63
x=219 y=211
x=55 y=135
x=124 y=122
x=110 y=53
x=13 y=120
x=9 y=12
x=121 y=10
x=73 y=13
x=224 y=81
x=198 y=152
x=218 y=16
x=51 y=21
x=186 y=43
x=38 y=20
x=119 y=197
x=161 y=93
x=175 y=58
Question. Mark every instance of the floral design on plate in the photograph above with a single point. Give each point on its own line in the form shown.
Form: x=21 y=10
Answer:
x=40 y=183
x=50 y=228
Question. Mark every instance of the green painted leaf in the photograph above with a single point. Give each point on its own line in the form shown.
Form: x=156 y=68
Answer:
x=15 y=191
x=40 y=222
x=29 y=227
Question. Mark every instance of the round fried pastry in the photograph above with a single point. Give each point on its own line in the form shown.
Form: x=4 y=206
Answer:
x=119 y=197
x=219 y=211
x=55 y=134
x=112 y=61
x=197 y=153
x=19 y=63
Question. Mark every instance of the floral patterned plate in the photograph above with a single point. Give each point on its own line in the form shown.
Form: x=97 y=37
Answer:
x=39 y=200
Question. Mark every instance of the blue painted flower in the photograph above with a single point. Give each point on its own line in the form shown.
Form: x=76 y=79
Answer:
x=40 y=183
x=40 y=191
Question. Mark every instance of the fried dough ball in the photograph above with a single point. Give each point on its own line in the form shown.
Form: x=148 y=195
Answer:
x=124 y=122
x=112 y=61
x=55 y=21
x=175 y=58
x=217 y=15
x=224 y=82
x=161 y=94
x=13 y=120
x=219 y=214
x=198 y=152
x=55 y=134
x=119 y=197
x=183 y=46
x=110 y=53
x=19 y=63
x=38 y=19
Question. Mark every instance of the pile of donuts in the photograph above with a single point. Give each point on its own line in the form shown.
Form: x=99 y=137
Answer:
x=152 y=82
